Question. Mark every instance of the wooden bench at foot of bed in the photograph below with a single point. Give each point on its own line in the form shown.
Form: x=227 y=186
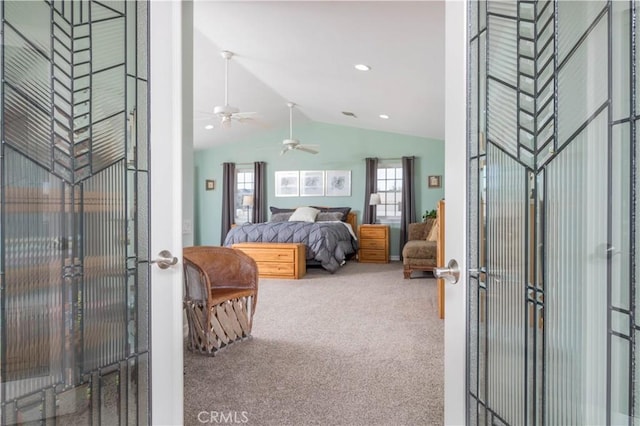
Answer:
x=277 y=260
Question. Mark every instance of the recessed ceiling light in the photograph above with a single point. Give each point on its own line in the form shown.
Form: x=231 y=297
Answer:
x=384 y=116
x=209 y=126
x=362 y=67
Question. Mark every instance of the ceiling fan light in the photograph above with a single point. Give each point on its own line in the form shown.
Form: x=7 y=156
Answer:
x=225 y=122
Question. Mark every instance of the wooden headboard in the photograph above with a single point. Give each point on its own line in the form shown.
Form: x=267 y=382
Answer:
x=352 y=219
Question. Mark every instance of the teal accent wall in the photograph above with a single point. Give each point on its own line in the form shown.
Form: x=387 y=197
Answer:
x=341 y=148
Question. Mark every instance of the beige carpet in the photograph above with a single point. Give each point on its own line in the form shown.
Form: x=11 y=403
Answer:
x=360 y=347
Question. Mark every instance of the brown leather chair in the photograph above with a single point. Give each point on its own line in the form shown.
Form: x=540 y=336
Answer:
x=418 y=254
x=220 y=296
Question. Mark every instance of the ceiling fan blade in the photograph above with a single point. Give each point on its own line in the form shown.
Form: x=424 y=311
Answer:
x=242 y=119
x=241 y=115
x=306 y=148
x=284 y=151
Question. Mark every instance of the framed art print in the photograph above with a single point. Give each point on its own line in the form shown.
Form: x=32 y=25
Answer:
x=311 y=183
x=287 y=184
x=338 y=183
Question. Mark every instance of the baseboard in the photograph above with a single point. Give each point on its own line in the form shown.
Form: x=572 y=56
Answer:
x=394 y=257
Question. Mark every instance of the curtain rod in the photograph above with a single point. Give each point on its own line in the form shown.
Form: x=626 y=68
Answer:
x=238 y=164
x=396 y=159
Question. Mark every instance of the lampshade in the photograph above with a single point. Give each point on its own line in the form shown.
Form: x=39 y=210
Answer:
x=375 y=200
x=247 y=201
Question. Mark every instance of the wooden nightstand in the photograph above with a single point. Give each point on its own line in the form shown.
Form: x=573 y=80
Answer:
x=373 y=241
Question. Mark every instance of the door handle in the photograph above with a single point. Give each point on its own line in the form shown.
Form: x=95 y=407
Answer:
x=450 y=274
x=165 y=259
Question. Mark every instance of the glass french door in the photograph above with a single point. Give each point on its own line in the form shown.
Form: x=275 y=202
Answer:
x=553 y=213
x=74 y=225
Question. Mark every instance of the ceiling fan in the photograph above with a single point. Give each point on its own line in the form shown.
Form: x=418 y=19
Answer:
x=226 y=112
x=291 y=143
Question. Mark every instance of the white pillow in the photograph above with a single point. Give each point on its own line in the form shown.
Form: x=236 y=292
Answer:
x=304 y=214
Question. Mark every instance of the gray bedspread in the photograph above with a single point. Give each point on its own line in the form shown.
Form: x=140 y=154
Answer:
x=327 y=242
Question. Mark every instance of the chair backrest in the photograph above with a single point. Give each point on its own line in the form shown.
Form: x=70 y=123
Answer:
x=208 y=268
x=420 y=230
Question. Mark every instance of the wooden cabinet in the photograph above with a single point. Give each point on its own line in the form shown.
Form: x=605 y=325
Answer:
x=277 y=260
x=373 y=241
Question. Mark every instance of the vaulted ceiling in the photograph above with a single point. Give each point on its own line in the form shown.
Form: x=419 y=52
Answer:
x=305 y=52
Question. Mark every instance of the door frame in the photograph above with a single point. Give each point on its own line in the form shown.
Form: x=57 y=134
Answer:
x=455 y=179
x=165 y=208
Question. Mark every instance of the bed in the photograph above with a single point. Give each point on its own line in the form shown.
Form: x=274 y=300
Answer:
x=329 y=238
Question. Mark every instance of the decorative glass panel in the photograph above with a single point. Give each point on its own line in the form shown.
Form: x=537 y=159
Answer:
x=621 y=59
x=482 y=92
x=27 y=70
x=620 y=220
x=502 y=116
x=503 y=43
x=75 y=306
x=142 y=39
x=582 y=83
x=503 y=7
x=473 y=19
x=107 y=10
x=620 y=355
x=32 y=19
x=574 y=19
x=473 y=252
x=550 y=333
x=474 y=131
x=108 y=93
x=108 y=141
x=26 y=128
x=506 y=204
x=576 y=260
x=107 y=41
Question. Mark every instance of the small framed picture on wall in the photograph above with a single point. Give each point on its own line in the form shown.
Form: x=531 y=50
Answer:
x=434 y=181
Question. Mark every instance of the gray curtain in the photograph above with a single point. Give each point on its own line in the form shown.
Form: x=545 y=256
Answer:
x=408 y=199
x=228 y=198
x=259 y=192
x=370 y=187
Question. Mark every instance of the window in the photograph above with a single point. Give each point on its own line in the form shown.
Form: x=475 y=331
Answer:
x=244 y=187
x=390 y=189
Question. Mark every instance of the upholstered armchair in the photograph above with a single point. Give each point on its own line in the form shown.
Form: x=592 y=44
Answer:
x=220 y=296
x=420 y=252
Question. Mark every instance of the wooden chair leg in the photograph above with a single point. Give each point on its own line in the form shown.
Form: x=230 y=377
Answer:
x=407 y=273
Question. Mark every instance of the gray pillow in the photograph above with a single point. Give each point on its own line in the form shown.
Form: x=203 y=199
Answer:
x=281 y=217
x=329 y=216
x=344 y=210
x=275 y=210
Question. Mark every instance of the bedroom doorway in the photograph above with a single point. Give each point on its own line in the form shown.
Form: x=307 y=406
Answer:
x=552 y=219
